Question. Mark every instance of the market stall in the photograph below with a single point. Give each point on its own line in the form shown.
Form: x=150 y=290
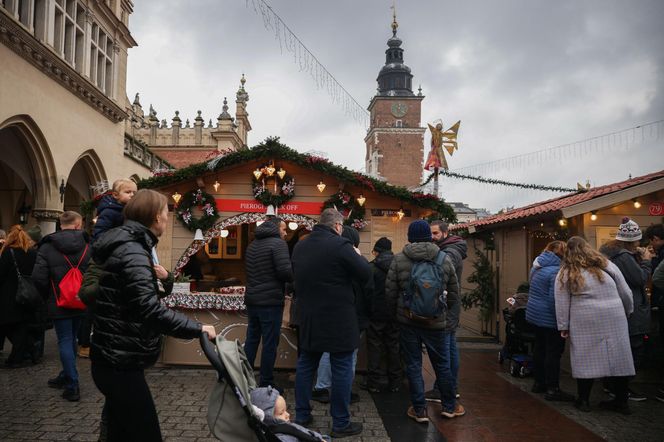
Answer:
x=217 y=205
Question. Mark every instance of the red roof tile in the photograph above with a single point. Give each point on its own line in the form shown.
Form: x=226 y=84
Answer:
x=184 y=158
x=562 y=202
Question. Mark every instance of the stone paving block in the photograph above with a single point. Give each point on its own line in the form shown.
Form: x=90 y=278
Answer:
x=56 y=436
x=90 y=437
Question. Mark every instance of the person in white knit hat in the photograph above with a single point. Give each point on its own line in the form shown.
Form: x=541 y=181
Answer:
x=634 y=264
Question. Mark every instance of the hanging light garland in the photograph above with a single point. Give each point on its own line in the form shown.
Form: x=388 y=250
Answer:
x=498 y=182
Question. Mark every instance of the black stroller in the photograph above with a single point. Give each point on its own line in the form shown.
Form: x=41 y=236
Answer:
x=519 y=340
x=231 y=417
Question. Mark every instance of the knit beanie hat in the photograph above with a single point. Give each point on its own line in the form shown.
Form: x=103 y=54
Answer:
x=265 y=398
x=35 y=233
x=628 y=231
x=419 y=231
x=382 y=245
x=351 y=234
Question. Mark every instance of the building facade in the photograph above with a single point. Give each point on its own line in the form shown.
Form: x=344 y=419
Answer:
x=63 y=105
x=189 y=143
x=395 y=139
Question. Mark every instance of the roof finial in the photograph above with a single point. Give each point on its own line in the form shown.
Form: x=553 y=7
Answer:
x=395 y=25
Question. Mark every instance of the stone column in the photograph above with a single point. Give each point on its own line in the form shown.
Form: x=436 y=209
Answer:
x=46 y=219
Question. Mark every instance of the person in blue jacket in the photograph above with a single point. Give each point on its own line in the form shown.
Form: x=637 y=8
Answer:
x=541 y=313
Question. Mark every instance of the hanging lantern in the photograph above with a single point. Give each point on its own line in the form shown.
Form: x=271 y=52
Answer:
x=593 y=215
x=281 y=173
x=198 y=236
x=562 y=222
x=216 y=186
x=637 y=204
x=223 y=233
x=258 y=223
x=400 y=213
x=270 y=170
x=176 y=197
x=292 y=225
x=321 y=186
x=361 y=199
x=258 y=173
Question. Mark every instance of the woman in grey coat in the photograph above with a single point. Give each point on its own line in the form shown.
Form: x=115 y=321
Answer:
x=593 y=302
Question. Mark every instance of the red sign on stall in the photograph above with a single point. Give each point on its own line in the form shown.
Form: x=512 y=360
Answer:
x=299 y=208
x=656 y=209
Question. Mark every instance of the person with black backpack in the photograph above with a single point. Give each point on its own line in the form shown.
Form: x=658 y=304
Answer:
x=421 y=286
x=61 y=261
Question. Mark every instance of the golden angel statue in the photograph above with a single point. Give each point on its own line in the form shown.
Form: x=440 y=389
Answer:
x=440 y=139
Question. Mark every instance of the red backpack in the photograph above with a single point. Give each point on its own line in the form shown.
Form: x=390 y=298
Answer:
x=70 y=285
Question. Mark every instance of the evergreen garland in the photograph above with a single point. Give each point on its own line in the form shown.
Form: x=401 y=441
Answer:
x=285 y=189
x=498 y=182
x=272 y=148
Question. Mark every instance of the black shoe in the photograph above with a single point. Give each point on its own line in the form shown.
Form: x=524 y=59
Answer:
x=352 y=429
x=322 y=396
x=614 y=405
x=538 y=388
x=557 y=395
x=636 y=397
x=354 y=398
x=57 y=382
x=432 y=395
x=72 y=394
x=582 y=405
x=305 y=422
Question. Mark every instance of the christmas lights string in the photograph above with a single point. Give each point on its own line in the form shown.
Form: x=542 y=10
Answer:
x=498 y=182
x=624 y=139
x=308 y=62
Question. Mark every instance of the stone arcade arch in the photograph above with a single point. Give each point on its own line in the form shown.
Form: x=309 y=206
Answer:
x=242 y=218
x=27 y=171
x=87 y=171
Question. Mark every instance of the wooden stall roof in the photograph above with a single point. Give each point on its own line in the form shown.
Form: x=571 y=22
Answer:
x=273 y=149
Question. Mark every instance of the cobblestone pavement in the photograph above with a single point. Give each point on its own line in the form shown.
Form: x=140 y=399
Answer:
x=645 y=424
x=29 y=410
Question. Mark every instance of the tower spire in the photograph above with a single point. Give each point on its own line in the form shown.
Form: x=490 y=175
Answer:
x=395 y=25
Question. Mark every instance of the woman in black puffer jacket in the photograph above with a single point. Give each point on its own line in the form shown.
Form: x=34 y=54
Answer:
x=129 y=319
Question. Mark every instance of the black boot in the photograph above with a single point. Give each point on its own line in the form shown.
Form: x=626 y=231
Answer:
x=582 y=404
x=72 y=394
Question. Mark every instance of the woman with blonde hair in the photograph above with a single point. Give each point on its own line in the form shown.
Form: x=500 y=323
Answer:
x=17 y=255
x=593 y=302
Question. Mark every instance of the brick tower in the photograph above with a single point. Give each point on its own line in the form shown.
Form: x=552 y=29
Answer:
x=395 y=148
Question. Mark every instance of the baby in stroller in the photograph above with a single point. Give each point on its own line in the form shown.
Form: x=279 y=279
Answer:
x=519 y=334
x=276 y=417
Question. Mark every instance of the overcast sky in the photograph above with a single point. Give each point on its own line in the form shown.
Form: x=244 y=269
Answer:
x=520 y=75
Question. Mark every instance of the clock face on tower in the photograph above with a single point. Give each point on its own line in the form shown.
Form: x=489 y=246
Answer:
x=399 y=109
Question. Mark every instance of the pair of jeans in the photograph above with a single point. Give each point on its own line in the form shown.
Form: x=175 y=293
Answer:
x=129 y=405
x=549 y=348
x=383 y=359
x=342 y=381
x=264 y=323
x=66 y=331
x=451 y=344
x=436 y=343
x=324 y=373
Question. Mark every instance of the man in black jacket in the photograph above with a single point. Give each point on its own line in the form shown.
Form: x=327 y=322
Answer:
x=325 y=267
x=268 y=268
x=383 y=361
x=55 y=250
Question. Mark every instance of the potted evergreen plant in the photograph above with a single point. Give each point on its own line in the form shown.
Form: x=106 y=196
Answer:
x=182 y=284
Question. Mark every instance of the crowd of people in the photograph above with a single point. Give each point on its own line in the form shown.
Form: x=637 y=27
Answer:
x=597 y=301
x=406 y=302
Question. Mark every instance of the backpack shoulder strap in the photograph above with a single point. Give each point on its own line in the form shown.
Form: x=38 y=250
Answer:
x=11 y=250
x=440 y=258
x=85 y=250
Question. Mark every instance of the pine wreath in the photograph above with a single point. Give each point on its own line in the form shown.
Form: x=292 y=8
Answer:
x=202 y=200
x=347 y=204
x=285 y=187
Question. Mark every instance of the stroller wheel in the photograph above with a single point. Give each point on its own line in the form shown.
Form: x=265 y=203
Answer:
x=500 y=357
x=514 y=370
x=523 y=372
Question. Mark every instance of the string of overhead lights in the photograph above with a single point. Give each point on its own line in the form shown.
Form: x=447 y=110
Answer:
x=308 y=62
x=622 y=139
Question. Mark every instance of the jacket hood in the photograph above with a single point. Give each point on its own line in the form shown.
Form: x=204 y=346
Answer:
x=611 y=250
x=266 y=230
x=384 y=260
x=68 y=241
x=114 y=238
x=455 y=242
x=108 y=202
x=351 y=234
x=548 y=259
x=421 y=250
